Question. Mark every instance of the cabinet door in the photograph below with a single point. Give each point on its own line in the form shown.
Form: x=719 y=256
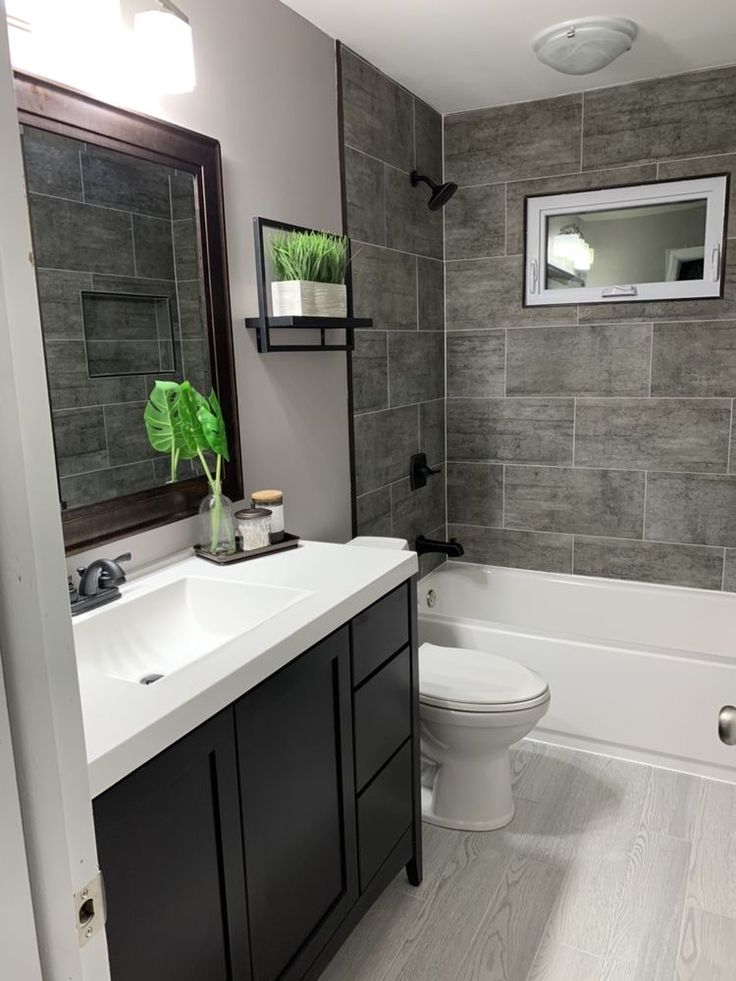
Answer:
x=298 y=805
x=170 y=851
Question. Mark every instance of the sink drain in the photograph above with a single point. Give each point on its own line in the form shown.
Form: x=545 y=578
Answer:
x=148 y=679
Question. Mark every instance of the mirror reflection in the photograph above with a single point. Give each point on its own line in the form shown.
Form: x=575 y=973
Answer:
x=650 y=244
x=117 y=250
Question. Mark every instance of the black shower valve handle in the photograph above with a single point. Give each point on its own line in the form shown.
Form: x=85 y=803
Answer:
x=419 y=470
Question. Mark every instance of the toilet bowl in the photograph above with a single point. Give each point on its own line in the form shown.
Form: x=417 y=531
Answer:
x=473 y=707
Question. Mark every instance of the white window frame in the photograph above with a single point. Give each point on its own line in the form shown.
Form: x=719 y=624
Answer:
x=713 y=189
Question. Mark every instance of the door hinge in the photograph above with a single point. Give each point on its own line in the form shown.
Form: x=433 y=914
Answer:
x=89 y=909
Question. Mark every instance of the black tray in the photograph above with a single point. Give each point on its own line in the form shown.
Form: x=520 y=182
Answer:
x=288 y=541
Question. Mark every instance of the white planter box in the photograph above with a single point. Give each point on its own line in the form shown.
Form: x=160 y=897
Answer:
x=299 y=298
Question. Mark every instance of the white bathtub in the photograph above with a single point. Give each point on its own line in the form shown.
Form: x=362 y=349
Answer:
x=635 y=670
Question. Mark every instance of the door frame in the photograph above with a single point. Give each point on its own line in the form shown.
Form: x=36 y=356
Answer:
x=36 y=641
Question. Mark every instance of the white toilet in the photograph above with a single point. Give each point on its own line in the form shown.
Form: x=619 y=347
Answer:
x=473 y=707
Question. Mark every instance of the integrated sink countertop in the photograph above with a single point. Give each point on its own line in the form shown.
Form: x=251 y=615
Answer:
x=212 y=633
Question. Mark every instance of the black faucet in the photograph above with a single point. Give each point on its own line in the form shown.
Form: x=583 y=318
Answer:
x=453 y=549
x=98 y=584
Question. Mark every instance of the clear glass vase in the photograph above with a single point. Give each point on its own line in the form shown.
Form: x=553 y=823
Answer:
x=217 y=525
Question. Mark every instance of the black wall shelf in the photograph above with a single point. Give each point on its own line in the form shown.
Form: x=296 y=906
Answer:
x=264 y=323
x=263 y=330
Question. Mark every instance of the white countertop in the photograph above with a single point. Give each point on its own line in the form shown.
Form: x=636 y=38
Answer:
x=127 y=724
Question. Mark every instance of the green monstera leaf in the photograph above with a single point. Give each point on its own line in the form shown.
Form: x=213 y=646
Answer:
x=210 y=418
x=159 y=415
x=161 y=419
x=181 y=422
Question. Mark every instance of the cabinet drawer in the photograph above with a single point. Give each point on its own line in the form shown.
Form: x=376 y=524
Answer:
x=379 y=632
x=382 y=716
x=384 y=813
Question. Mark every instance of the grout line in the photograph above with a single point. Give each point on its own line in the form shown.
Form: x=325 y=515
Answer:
x=541 y=465
x=594 y=538
x=506 y=219
x=574 y=428
x=582 y=128
x=132 y=245
x=356 y=149
x=416 y=291
x=385 y=204
x=723 y=570
x=644 y=515
x=651 y=359
x=93 y=204
x=81 y=174
x=503 y=497
x=730 y=438
x=505 y=364
x=591 y=398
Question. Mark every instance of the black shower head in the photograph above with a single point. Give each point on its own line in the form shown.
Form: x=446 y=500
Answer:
x=441 y=193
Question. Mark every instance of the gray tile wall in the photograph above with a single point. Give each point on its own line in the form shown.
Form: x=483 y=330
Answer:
x=104 y=222
x=398 y=280
x=595 y=440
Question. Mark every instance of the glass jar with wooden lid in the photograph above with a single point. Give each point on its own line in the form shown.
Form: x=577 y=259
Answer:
x=274 y=501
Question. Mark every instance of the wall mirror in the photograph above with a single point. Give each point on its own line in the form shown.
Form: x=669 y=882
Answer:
x=656 y=241
x=129 y=247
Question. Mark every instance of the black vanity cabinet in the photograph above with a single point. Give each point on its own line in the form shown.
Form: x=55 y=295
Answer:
x=249 y=849
x=170 y=848
x=295 y=751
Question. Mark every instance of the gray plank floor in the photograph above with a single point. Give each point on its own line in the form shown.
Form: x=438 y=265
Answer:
x=610 y=871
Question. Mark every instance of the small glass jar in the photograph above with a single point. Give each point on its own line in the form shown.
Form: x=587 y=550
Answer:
x=255 y=527
x=274 y=501
x=216 y=525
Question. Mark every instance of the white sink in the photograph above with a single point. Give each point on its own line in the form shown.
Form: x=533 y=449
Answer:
x=164 y=629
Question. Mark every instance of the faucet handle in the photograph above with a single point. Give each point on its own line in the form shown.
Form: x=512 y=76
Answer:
x=111 y=573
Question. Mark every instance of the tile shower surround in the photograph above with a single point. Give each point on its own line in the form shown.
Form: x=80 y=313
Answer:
x=106 y=223
x=398 y=280
x=595 y=439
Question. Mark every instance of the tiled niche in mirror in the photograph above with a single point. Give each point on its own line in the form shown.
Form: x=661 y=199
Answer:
x=116 y=245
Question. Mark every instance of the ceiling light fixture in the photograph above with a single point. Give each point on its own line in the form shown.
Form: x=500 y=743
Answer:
x=569 y=246
x=164 y=40
x=586 y=45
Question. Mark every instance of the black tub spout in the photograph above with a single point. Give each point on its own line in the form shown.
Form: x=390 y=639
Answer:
x=453 y=549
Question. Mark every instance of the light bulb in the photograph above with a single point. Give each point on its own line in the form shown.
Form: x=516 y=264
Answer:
x=164 y=42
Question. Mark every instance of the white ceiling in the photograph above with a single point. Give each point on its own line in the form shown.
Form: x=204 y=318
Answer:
x=464 y=54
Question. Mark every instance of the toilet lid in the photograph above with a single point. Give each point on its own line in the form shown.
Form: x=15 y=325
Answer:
x=475 y=681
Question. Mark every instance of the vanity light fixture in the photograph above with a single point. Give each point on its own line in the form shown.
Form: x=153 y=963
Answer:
x=585 y=45
x=569 y=246
x=164 y=40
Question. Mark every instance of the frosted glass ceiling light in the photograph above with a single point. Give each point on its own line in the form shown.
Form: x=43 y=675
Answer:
x=569 y=246
x=586 y=45
x=164 y=40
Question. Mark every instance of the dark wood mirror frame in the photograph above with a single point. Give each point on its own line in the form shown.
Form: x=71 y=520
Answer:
x=61 y=110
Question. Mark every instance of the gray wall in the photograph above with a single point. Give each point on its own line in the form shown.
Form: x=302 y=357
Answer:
x=594 y=440
x=280 y=152
x=398 y=365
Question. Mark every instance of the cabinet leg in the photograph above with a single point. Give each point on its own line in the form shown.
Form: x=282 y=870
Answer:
x=414 y=871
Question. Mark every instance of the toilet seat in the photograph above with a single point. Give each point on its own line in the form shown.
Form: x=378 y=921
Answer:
x=463 y=680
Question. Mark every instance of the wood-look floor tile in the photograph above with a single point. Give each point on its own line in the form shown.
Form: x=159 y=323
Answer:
x=556 y=962
x=670 y=803
x=712 y=877
x=707 y=947
x=452 y=912
x=646 y=926
x=373 y=945
x=509 y=936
